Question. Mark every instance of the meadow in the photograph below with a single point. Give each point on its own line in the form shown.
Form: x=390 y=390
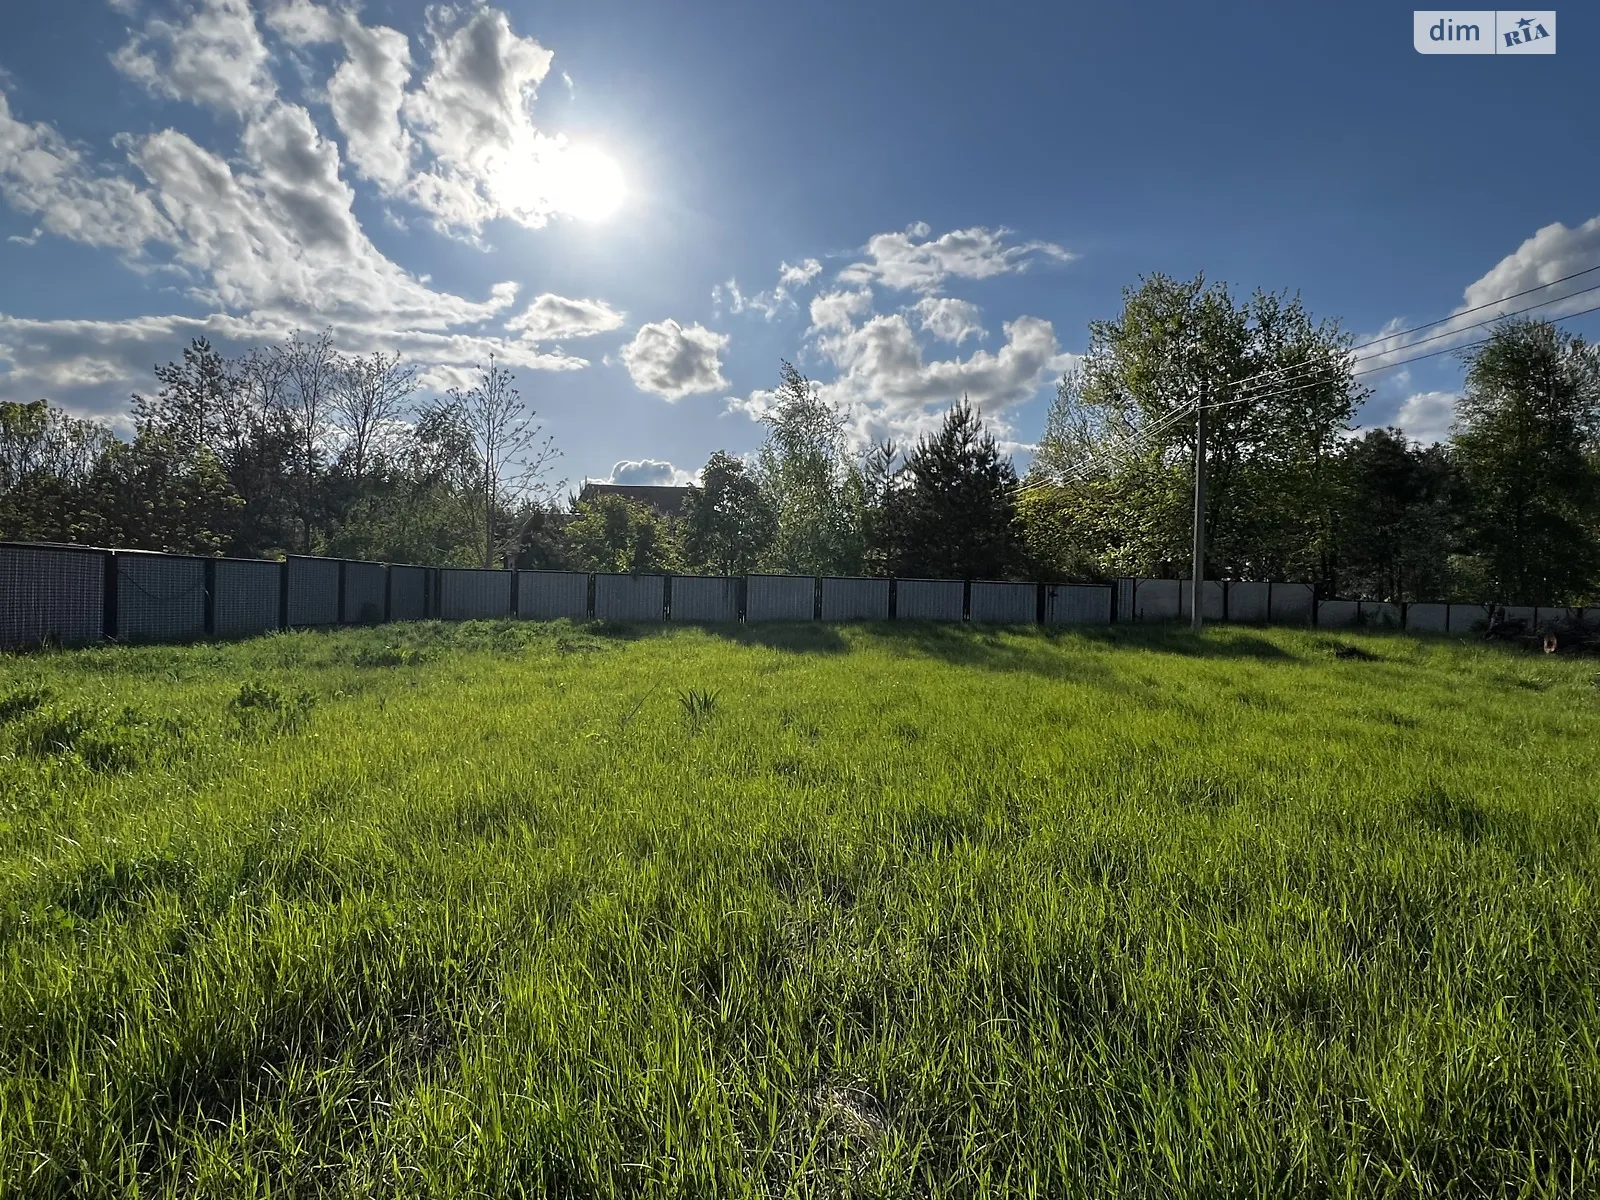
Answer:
x=563 y=910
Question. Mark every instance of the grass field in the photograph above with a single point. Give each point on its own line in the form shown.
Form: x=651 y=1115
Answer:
x=576 y=911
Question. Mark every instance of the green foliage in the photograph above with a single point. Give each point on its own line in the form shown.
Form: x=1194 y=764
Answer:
x=917 y=912
x=1397 y=519
x=260 y=709
x=1527 y=432
x=727 y=523
x=613 y=533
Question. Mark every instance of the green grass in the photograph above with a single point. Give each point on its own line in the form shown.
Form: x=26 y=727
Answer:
x=575 y=911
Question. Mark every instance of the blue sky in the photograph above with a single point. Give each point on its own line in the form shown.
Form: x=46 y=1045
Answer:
x=641 y=208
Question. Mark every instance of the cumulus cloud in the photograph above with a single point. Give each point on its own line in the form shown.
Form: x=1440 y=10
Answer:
x=839 y=310
x=949 y=319
x=1427 y=416
x=779 y=299
x=1552 y=253
x=674 y=361
x=43 y=175
x=552 y=318
x=649 y=472
x=210 y=54
x=800 y=274
x=911 y=261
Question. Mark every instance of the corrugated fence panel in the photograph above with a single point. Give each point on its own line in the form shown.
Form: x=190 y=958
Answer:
x=1591 y=616
x=705 y=598
x=1468 y=618
x=364 y=585
x=1555 y=616
x=408 y=593
x=1157 y=599
x=928 y=599
x=630 y=597
x=1428 y=618
x=49 y=594
x=1338 y=614
x=1211 y=599
x=551 y=595
x=471 y=594
x=780 y=598
x=1077 y=604
x=855 y=599
x=994 y=603
x=1380 y=614
x=313 y=591
x=1247 y=602
x=1292 y=604
x=1125 y=590
x=245 y=596
x=160 y=597
x=1520 y=612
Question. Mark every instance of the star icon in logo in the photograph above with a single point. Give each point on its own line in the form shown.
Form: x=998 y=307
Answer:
x=1525 y=22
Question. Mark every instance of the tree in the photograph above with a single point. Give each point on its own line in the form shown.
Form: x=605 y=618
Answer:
x=613 y=533
x=369 y=399
x=1525 y=436
x=1281 y=395
x=810 y=483
x=1396 y=525
x=727 y=524
x=513 y=463
x=959 y=511
x=46 y=457
x=307 y=375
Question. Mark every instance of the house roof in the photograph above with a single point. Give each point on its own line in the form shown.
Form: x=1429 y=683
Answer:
x=668 y=501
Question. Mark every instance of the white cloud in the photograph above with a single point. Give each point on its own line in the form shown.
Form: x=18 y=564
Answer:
x=800 y=274
x=649 y=472
x=1552 y=253
x=838 y=310
x=901 y=261
x=42 y=175
x=212 y=54
x=551 y=318
x=949 y=319
x=1427 y=416
x=673 y=361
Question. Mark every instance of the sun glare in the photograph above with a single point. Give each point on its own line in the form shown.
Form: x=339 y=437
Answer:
x=584 y=183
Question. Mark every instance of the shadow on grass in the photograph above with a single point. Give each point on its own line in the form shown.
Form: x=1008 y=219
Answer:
x=1217 y=642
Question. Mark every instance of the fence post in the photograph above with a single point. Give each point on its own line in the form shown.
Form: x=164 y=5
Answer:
x=210 y=620
x=516 y=592
x=589 y=596
x=966 y=599
x=340 y=617
x=108 y=610
x=666 y=596
x=1039 y=602
x=283 y=594
x=388 y=592
x=816 y=598
x=1227 y=589
x=894 y=598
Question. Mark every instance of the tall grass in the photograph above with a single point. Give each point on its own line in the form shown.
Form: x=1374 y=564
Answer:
x=518 y=910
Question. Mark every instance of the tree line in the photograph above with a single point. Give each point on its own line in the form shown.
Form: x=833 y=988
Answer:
x=297 y=448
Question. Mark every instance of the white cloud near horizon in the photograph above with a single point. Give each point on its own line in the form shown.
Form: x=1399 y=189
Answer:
x=913 y=261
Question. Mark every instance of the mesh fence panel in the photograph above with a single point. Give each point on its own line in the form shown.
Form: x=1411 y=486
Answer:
x=551 y=595
x=364 y=586
x=407 y=595
x=245 y=596
x=160 y=598
x=928 y=599
x=1468 y=618
x=313 y=591
x=855 y=599
x=466 y=594
x=630 y=597
x=51 y=595
x=702 y=598
x=1077 y=604
x=780 y=598
x=1004 y=603
x=1380 y=614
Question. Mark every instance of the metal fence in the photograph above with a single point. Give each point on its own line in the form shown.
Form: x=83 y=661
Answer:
x=73 y=595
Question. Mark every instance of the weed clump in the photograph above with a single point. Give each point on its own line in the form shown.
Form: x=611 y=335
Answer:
x=97 y=738
x=698 y=707
x=390 y=656
x=261 y=710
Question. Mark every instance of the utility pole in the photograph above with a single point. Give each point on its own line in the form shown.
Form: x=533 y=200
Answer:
x=1198 y=573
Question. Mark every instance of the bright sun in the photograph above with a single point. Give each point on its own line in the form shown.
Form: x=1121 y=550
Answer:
x=583 y=183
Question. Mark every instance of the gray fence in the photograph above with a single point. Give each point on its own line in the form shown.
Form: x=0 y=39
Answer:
x=73 y=595
x=711 y=599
